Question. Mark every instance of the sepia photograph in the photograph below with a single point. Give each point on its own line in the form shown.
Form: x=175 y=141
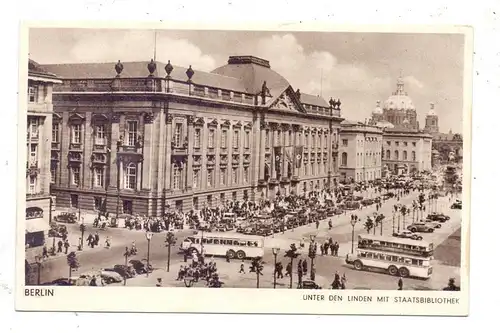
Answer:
x=246 y=159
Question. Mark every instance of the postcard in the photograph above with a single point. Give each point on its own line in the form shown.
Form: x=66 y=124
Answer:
x=312 y=170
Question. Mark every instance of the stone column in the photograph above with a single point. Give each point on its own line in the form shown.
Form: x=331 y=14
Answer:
x=147 y=151
x=190 y=121
x=168 y=155
x=262 y=153
x=113 y=162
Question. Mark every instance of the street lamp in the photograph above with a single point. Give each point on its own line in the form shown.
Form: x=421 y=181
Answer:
x=126 y=254
x=149 y=235
x=354 y=220
x=170 y=240
x=276 y=250
x=312 y=254
x=38 y=261
x=82 y=230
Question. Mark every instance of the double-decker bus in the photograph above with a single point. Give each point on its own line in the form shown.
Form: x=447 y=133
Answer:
x=396 y=256
x=233 y=245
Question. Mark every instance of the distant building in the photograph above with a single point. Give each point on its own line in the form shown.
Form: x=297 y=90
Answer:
x=405 y=147
x=38 y=149
x=360 y=152
x=141 y=137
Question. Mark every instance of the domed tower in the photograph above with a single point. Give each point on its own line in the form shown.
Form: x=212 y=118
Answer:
x=377 y=114
x=399 y=107
x=431 y=121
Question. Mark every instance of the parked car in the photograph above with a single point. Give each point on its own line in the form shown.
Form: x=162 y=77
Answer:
x=438 y=217
x=111 y=276
x=434 y=224
x=309 y=284
x=66 y=218
x=407 y=234
x=57 y=230
x=124 y=271
x=457 y=205
x=140 y=266
x=420 y=227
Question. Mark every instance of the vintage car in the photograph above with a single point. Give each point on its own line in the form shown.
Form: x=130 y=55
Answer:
x=457 y=205
x=420 y=227
x=264 y=231
x=141 y=266
x=309 y=284
x=367 y=202
x=124 y=271
x=111 y=276
x=352 y=205
x=438 y=217
x=57 y=230
x=66 y=218
x=434 y=224
x=407 y=234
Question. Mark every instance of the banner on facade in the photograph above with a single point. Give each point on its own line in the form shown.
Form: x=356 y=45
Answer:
x=298 y=155
x=278 y=159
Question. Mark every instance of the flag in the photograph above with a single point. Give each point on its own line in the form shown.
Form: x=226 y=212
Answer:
x=298 y=155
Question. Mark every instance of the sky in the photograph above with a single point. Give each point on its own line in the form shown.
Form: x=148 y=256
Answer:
x=359 y=68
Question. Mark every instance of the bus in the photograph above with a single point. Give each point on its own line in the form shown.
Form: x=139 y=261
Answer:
x=233 y=245
x=395 y=256
x=413 y=247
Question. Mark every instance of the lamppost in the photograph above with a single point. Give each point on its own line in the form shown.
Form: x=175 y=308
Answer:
x=276 y=250
x=312 y=254
x=82 y=230
x=38 y=261
x=149 y=235
x=170 y=240
x=126 y=254
x=399 y=221
x=354 y=220
x=118 y=185
x=393 y=221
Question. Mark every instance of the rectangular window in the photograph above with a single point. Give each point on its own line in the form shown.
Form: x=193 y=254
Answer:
x=234 y=176
x=414 y=144
x=32 y=187
x=33 y=128
x=75 y=176
x=132 y=132
x=236 y=139
x=345 y=142
x=197 y=138
x=53 y=175
x=76 y=133
x=176 y=184
x=211 y=136
x=313 y=138
x=223 y=139
x=245 y=175
x=55 y=132
x=223 y=176
x=98 y=177
x=388 y=143
x=306 y=139
x=99 y=135
x=247 y=139
x=74 y=201
x=196 y=178
x=32 y=94
x=33 y=154
x=277 y=139
x=405 y=144
x=396 y=143
x=210 y=175
x=267 y=139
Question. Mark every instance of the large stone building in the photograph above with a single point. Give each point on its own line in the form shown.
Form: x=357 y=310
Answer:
x=360 y=152
x=447 y=147
x=38 y=150
x=405 y=148
x=137 y=140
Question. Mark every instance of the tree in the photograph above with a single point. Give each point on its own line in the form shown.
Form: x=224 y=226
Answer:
x=404 y=210
x=292 y=254
x=369 y=224
x=257 y=267
x=169 y=241
x=73 y=263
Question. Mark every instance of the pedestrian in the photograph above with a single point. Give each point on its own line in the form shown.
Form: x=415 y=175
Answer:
x=343 y=281
x=108 y=242
x=90 y=240
x=93 y=281
x=288 y=269
x=158 y=282
x=400 y=283
x=304 y=266
x=336 y=248
x=280 y=270
x=228 y=257
x=66 y=246
x=59 y=246
x=96 y=238
x=332 y=248
x=45 y=253
x=242 y=268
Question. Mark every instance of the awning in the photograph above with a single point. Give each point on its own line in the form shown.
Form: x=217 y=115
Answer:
x=36 y=225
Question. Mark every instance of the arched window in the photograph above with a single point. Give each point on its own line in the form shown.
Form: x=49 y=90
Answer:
x=405 y=155
x=131 y=176
x=413 y=156
x=344 y=159
x=388 y=154
x=396 y=155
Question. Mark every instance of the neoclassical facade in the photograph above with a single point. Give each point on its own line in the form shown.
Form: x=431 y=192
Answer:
x=132 y=140
x=360 y=152
x=38 y=150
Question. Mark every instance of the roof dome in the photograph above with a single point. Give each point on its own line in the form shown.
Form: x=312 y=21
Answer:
x=399 y=99
x=432 y=111
x=378 y=109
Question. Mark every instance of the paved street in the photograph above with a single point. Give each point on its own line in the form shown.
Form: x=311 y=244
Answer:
x=446 y=263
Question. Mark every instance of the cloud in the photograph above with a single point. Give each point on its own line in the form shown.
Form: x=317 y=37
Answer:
x=413 y=83
x=139 y=46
